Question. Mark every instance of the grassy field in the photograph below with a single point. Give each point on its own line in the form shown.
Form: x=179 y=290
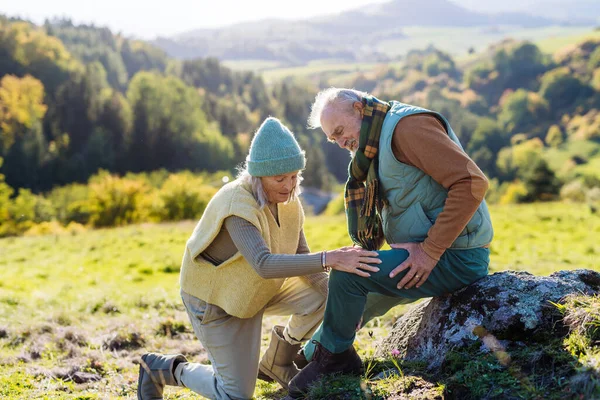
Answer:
x=319 y=69
x=94 y=302
x=457 y=41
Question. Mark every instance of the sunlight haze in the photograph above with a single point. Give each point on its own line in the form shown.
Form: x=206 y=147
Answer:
x=150 y=19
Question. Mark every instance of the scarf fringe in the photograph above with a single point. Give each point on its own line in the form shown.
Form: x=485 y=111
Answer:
x=368 y=207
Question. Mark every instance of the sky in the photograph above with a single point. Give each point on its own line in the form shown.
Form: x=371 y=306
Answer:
x=150 y=18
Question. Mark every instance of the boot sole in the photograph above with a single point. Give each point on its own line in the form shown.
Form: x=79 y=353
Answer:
x=264 y=377
x=273 y=377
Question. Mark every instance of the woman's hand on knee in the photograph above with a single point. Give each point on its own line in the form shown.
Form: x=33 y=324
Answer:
x=354 y=260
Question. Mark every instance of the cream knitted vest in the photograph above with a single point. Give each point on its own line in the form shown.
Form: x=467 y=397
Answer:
x=234 y=285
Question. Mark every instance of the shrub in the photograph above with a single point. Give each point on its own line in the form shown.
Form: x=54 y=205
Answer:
x=515 y=193
x=45 y=228
x=573 y=191
x=183 y=196
x=116 y=201
x=71 y=203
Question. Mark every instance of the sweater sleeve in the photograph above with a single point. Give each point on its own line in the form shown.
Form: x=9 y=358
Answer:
x=421 y=141
x=320 y=280
x=302 y=245
x=251 y=245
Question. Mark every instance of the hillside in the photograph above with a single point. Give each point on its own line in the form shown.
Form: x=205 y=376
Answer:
x=100 y=104
x=331 y=37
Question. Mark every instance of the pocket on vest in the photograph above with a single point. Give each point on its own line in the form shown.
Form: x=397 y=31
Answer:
x=472 y=227
x=416 y=222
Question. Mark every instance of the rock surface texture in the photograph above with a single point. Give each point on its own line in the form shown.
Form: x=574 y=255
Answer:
x=504 y=306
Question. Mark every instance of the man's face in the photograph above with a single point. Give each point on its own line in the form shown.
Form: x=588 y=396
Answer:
x=343 y=126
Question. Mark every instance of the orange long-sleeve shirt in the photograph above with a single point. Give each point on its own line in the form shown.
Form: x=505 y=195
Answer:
x=421 y=141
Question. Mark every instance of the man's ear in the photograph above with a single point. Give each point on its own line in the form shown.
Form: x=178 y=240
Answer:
x=359 y=106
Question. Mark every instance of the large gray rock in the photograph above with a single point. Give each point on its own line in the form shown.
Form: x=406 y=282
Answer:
x=507 y=305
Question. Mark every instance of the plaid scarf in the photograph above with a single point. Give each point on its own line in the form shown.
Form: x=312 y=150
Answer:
x=363 y=204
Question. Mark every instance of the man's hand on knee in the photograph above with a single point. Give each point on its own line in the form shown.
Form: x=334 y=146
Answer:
x=418 y=263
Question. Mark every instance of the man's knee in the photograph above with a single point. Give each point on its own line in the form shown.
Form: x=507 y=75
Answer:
x=340 y=278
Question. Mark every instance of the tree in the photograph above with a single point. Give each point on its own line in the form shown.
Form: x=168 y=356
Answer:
x=517 y=158
x=139 y=56
x=523 y=111
x=21 y=107
x=540 y=181
x=22 y=141
x=89 y=44
x=438 y=63
x=316 y=174
x=514 y=65
x=594 y=61
x=554 y=137
x=35 y=53
x=487 y=140
x=78 y=105
x=116 y=121
x=170 y=129
x=562 y=90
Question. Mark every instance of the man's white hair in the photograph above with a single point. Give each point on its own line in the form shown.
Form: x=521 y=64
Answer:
x=340 y=98
x=259 y=191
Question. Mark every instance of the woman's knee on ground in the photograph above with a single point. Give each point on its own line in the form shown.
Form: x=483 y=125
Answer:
x=235 y=391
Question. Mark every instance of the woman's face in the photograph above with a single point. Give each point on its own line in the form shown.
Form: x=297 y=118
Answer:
x=279 y=188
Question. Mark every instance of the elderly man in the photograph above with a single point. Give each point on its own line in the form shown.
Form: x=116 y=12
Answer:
x=411 y=184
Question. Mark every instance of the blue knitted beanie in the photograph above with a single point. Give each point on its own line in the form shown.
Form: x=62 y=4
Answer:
x=274 y=150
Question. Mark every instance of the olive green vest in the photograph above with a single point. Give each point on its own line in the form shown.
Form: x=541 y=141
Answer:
x=412 y=199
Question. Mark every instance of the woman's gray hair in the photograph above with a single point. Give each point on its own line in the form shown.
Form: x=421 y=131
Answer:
x=332 y=96
x=258 y=190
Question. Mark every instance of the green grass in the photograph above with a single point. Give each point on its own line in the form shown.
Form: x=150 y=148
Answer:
x=553 y=43
x=320 y=69
x=457 y=41
x=251 y=65
x=584 y=149
x=99 y=299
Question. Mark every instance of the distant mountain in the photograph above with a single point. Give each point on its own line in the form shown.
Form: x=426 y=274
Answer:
x=574 y=12
x=345 y=36
x=583 y=12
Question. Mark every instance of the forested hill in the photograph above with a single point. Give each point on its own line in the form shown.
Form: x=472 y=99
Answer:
x=76 y=99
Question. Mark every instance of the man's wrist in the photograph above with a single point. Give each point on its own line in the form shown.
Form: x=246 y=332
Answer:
x=433 y=253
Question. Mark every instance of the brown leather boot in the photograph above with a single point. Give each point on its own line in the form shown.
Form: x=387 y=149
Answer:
x=278 y=361
x=324 y=363
x=300 y=359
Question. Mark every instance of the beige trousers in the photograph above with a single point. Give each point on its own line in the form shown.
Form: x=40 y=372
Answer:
x=233 y=344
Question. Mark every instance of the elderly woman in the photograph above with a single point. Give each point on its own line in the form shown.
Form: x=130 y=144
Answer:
x=248 y=257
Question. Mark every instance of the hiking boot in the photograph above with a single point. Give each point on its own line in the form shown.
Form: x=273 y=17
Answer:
x=156 y=371
x=300 y=359
x=324 y=363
